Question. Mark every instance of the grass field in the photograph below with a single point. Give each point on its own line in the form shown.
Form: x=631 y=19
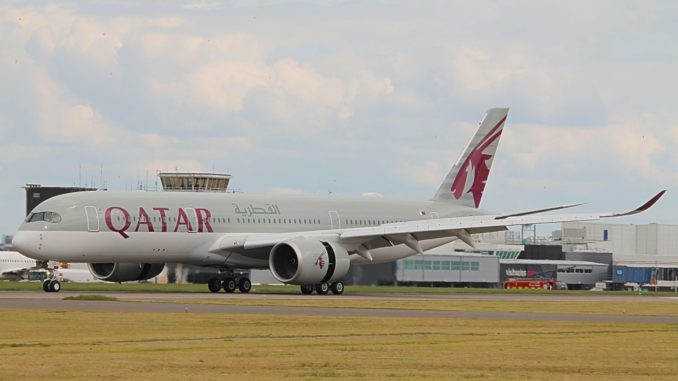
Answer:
x=122 y=346
x=41 y=344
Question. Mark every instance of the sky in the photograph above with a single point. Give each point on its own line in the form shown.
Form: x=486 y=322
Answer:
x=344 y=97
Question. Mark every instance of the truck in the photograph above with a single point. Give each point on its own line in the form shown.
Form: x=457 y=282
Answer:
x=534 y=284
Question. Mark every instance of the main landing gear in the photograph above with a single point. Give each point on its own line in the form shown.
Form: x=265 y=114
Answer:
x=230 y=282
x=51 y=285
x=323 y=288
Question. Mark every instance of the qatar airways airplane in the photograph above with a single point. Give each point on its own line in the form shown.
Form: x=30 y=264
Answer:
x=303 y=240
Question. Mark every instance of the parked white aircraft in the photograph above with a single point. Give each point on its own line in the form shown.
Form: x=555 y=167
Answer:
x=303 y=240
x=13 y=264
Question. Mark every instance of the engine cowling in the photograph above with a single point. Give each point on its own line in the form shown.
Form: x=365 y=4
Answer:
x=305 y=261
x=125 y=272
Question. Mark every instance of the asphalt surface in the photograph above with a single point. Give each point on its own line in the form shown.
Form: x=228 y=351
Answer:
x=181 y=303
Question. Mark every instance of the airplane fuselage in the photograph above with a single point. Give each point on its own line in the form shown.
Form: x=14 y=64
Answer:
x=181 y=227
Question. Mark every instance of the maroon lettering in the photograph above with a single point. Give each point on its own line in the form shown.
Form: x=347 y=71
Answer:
x=182 y=219
x=163 y=217
x=109 y=221
x=144 y=220
x=204 y=219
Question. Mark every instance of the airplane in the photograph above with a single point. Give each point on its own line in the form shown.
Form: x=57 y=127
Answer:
x=310 y=241
x=13 y=265
x=74 y=275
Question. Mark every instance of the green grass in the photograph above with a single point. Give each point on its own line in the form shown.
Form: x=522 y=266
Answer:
x=201 y=288
x=43 y=344
x=98 y=298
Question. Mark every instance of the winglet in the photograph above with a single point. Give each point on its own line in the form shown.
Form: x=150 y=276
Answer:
x=640 y=209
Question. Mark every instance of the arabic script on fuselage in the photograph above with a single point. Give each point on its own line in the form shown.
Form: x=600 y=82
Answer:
x=252 y=210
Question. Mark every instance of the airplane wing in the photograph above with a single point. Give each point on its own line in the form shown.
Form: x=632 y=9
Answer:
x=361 y=240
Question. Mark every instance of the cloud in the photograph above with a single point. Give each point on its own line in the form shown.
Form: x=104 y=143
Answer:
x=201 y=5
x=222 y=86
x=429 y=174
x=308 y=96
x=598 y=153
x=517 y=77
x=5 y=126
x=185 y=165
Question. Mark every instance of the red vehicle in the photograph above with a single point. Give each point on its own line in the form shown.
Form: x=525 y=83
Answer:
x=541 y=284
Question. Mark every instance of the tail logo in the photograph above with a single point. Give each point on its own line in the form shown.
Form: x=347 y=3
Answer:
x=475 y=165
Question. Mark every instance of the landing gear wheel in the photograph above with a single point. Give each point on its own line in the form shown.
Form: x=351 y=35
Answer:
x=337 y=288
x=230 y=285
x=45 y=285
x=245 y=285
x=306 y=289
x=322 y=288
x=214 y=284
x=55 y=286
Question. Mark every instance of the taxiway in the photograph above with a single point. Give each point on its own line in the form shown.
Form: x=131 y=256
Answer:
x=184 y=303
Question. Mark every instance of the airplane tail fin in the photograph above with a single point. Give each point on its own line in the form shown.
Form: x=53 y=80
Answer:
x=466 y=181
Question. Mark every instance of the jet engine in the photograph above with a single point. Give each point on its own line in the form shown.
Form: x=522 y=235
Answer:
x=305 y=261
x=125 y=272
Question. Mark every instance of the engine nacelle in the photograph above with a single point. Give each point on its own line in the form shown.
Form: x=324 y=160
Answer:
x=125 y=272
x=305 y=261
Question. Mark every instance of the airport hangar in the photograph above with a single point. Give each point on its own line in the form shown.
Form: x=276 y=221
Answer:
x=580 y=254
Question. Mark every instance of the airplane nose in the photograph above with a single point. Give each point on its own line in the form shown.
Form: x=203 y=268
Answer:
x=22 y=243
x=18 y=242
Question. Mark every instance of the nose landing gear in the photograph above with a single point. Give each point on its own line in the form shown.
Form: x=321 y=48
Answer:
x=51 y=283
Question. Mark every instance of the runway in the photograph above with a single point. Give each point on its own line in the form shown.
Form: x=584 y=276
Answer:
x=182 y=303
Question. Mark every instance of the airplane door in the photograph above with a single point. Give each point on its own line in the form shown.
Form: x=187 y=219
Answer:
x=92 y=218
x=335 y=222
x=192 y=220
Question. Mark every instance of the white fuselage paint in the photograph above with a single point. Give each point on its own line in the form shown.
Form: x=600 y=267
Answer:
x=98 y=227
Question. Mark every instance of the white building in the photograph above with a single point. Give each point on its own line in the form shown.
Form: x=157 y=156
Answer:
x=652 y=244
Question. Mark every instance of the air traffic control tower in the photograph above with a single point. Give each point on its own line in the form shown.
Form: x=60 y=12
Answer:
x=194 y=182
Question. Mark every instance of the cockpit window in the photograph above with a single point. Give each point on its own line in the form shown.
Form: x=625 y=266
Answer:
x=52 y=217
